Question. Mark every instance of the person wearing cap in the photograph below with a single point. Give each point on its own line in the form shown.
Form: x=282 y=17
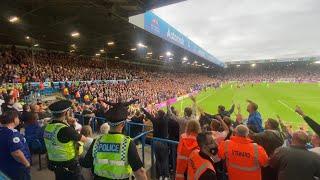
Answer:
x=114 y=155
x=61 y=142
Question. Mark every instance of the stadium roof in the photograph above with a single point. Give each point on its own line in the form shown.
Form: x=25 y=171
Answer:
x=85 y=27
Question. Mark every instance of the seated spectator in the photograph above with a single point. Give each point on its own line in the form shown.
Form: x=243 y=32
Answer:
x=34 y=133
x=296 y=162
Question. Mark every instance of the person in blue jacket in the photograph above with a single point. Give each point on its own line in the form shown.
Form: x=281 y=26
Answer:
x=15 y=157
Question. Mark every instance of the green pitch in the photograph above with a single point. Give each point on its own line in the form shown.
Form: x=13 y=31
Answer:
x=273 y=99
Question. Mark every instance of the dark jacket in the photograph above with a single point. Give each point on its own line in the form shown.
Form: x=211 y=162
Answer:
x=160 y=125
x=295 y=163
x=314 y=125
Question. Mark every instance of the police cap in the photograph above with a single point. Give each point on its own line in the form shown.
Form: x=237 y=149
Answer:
x=60 y=106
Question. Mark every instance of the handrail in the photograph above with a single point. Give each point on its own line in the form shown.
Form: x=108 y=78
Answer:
x=143 y=142
x=142 y=134
x=167 y=141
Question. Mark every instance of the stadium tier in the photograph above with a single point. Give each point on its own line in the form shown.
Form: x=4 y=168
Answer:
x=85 y=94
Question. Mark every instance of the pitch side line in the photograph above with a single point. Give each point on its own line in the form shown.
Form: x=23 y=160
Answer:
x=286 y=105
x=202 y=99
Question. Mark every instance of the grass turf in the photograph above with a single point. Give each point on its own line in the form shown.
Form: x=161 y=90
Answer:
x=273 y=99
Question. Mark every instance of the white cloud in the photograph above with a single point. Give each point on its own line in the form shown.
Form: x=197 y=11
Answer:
x=249 y=29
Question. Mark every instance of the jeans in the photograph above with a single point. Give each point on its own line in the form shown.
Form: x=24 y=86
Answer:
x=162 y=159
x=173 y=157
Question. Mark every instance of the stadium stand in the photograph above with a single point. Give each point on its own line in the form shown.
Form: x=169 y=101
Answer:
x=97 y=110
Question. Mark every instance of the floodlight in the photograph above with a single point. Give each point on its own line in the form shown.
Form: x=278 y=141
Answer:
x=253 y=65
x=110 y=43
x=13 y=19
x=75 y=34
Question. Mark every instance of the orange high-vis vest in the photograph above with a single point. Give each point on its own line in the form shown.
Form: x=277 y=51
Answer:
x=65 y=91
x=77 y=94
x=187 y=143
x=243 y=158
x=197 y=165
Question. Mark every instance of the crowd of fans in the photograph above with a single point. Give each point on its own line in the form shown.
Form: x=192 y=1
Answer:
x=291 y=71
x=235 y=149
x=210 y=146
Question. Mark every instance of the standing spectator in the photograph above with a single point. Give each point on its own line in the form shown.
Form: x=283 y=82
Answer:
x=25 y=111
x=104 y=128
x=135 y=130
x=315 y=140
x=87 y=115
x=201 y=164
x=15 y=157
x=239 y=117
x=160 y=130
x=34 y=133
x=222 y=111
x=189 y=114
x=244 y=159
x=270 y=139
x=86 y=131
x=220 y=131
x=254 y=120
x=296 y=162
x=173 y=134
x=217 y=126
x=187 y=143
x=313 y=124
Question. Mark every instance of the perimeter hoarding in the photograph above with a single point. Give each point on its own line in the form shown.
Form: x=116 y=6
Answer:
x=157 y=26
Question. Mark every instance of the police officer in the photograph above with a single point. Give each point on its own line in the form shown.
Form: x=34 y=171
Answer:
x=200 y=163
x=15 y=156
x=114 y=155
x=61 y=143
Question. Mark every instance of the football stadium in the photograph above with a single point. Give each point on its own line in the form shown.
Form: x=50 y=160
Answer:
x=161 y=90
